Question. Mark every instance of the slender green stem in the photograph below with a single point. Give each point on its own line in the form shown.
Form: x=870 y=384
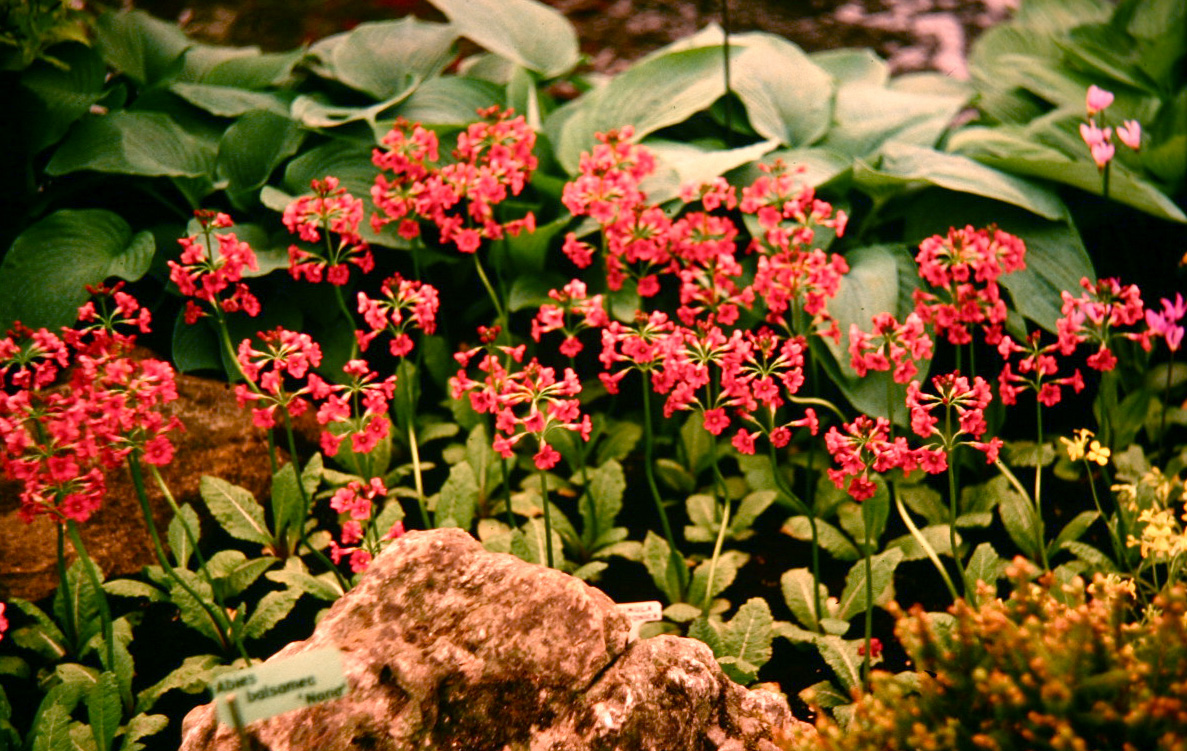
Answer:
x=228 y=634
x=507 y=492
x=648 y=470
x=725 y=522
x=301 y=531
x=354 y=342
x=68 y=624
x=416 y=474
x=952 y=509
x=869 y=614
x=1166 y=395
x=92 y=574
x=817 y=402
x=804 y=509
x=547 y=516
x=500 y=312
x=1116 y=543
x=1038 y=496
x=189 y=532
x=923 y=543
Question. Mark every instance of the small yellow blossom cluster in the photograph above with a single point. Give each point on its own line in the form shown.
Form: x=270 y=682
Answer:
x=1083 y=447
x=1160 y=503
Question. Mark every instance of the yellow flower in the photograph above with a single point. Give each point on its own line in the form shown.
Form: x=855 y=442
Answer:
x=1080 y=448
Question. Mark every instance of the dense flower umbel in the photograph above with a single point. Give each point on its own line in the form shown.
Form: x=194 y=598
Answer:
x=642 y=345
x=766 y=368
x=960 y=399
x=891 y=345
x=208 y=276
x=1095 y=317
x=405 y=303
x=286 y=353
x=529 y=401
x=963 y=268
x=329 y=210
x=362 y=390
x=494 y=161
x=357 y=501
x=57 y=441
x=1035 y=370
x=864 y=446
x=574 y=312
x=792 y=277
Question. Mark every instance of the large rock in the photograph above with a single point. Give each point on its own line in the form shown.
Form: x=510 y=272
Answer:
x=446 y=645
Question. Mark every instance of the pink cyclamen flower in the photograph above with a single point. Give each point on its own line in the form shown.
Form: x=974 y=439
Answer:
x=1097 y=99
x=1165 y=323
x=1130 y=134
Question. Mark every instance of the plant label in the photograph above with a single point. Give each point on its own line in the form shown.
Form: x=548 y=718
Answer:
x=639 y=613
x=274 y=688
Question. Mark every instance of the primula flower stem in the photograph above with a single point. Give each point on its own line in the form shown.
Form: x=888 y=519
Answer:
x=88 y=567
x=354 y=342
x=923 y=543
x=547 y=516
x=649 y=471
x=806 y=510
x=725 y=522
x=869 y=614
x=1166 y=395
x=1116 y=543
x=1040 y=537
x=416 y=475
x=490 y=290
x=227 y=634
x=952 y=509
x=304 y=539
x=64 y=585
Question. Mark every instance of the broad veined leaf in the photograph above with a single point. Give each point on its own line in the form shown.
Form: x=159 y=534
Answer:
x=254 y=146
x=229 y=101
x=46 y=271
x=526 y=32
x=814 y=166
x=679 y=163
x=602 y=501
x=147 y=49
x=903 y=165
x=854 y=599
x=853 y=65
x=183 y=533
x=192 y=677
x=787 y=96
x=459 y=497
x=254 y=71
x=868 y=116
x=748 y=634
x=271 y=610
x=61 y=96
x=104 y=710
x=655 y=93
x=829 y=537
x=388 y=59
x=796 y=585
x=658 y=559
x=236 y=510
x=449 y=100
x=985 y=565
x=150 y=144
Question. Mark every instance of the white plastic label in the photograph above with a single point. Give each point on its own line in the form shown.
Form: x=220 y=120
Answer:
x=639 y=613
x=278 y=687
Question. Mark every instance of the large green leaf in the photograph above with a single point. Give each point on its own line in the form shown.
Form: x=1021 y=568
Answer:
x=254 y=146
x=103 y=710
x=449 y=100
x=1020 y=151
x=852 y=65
x=524 y=31
x=132 y=143
x=45 y=273
x=796 y=585
x=145 y=48
x=868 y=116
x=854 y=599
x=228 y=101
x=59 y=96
x=787 y=96
x=387 y=59
x=660 y=91
x=902 y=165
x=254 y=71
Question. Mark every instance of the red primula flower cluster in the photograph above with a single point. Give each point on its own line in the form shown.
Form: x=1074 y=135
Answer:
x=1165 y=323
x=963 y=269
x=529 y=401
x=494 y=160
x=405 y=302
x=865 y=446
x=329 y=210
x=574 y=312
x=57 y=441
x=357 y=500
x=207 y=276
x=1095 y=316
x=891 y=345
x=1036 y=370
x=960 y=399
x=362 y=390
x=767 y=367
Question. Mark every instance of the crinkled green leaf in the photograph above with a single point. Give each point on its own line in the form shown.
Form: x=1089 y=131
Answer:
x=192 y=677
x=46 y=270
x=180 y=543
x=526 y=32
x=235 y=509
x=269 y=611
x=459 y=497
x=104 y=711
x=854 y=599
x=830 y=538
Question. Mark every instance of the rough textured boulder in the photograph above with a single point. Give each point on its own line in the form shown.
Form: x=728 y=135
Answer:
x=445 y=645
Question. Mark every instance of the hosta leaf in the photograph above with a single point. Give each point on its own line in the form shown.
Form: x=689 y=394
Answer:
x=60 y=96
x=149 y=144
x=45 y=272
x=254 y=146
x=529 y=33
x=388 y=59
